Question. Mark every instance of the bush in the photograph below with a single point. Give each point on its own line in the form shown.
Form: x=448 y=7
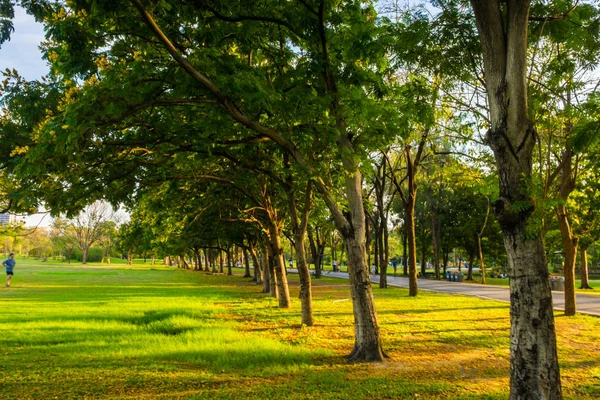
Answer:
x=94 y=255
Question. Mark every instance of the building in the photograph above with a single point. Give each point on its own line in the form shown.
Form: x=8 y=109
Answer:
x=8 y=218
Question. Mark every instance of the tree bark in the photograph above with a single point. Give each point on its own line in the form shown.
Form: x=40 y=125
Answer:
x=569 y=243
x=470 y=271
x=273 y=286
x=534 y=370
x=409 y=213
x=246 y=263
x=299 y=227
x=435 y=241
x=405 y=248
x=229 y=262
x=279 y=264
x=266 y=269
x=482 y=265
x=367 y=344
x=84 y=255
x=258 y=276
x=585 y=283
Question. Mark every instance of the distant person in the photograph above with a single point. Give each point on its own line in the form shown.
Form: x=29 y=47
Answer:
x=335 y=266
x=9 y=264
x=395 y=264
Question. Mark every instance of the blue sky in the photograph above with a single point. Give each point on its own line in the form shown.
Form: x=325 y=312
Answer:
x=22 y=51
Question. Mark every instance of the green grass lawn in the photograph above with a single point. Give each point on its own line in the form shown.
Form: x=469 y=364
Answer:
x=135 y=332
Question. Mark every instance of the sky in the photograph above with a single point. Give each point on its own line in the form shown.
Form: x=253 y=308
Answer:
x=22 y=51
x=23 y=54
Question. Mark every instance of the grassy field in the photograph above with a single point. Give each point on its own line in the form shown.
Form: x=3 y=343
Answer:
x=136 y=332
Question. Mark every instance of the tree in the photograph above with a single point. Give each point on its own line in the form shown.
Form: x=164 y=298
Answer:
x=88 y=226
x=107 y=239
x=502 y=34
x=248 y=90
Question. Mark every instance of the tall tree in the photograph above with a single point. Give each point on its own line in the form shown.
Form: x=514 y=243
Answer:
x=502 y=32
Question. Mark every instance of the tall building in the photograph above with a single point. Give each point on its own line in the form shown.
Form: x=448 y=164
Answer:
x=8 y=218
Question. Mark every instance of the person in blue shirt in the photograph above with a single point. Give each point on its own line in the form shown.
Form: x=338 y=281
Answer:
x=9 y=263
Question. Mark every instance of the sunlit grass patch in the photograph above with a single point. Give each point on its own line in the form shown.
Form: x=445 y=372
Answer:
x=158 y=332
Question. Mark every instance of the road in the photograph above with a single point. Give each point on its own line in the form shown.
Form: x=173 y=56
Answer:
x=586 y=303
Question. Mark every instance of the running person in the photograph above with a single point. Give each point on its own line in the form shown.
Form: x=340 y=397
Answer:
x=9 y=263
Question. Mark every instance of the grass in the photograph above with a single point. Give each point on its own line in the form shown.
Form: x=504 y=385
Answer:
x=135 y=332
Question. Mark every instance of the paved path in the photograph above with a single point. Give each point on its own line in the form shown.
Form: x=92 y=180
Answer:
x=586 y=303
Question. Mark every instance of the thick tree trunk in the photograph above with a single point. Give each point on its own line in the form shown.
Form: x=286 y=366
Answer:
x=534 y=371
x=367 y=345
x=305 y=284
x=534 y=360
x=279 y=265
x=570 y=253
x=585 y=283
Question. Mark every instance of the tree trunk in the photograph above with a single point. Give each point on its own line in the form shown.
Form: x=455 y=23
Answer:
x=246 y=263
x=383 y=258
x=445 y=256
x=316 y=253
x=299 y=227
x=409 y=213
x=435 y=242
x=258 y=274
x=368 y=240
x=279 y=264
x=405 y=249
x=534 y=370
x=570 y=252
x=424 y=261
x=264 y=255
x=229 y=263
x=470 y=273
x=305 y=284
x=84 y=255
x=481 y=263
x=221 y=262
x=367 y=345
x=585 y=283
